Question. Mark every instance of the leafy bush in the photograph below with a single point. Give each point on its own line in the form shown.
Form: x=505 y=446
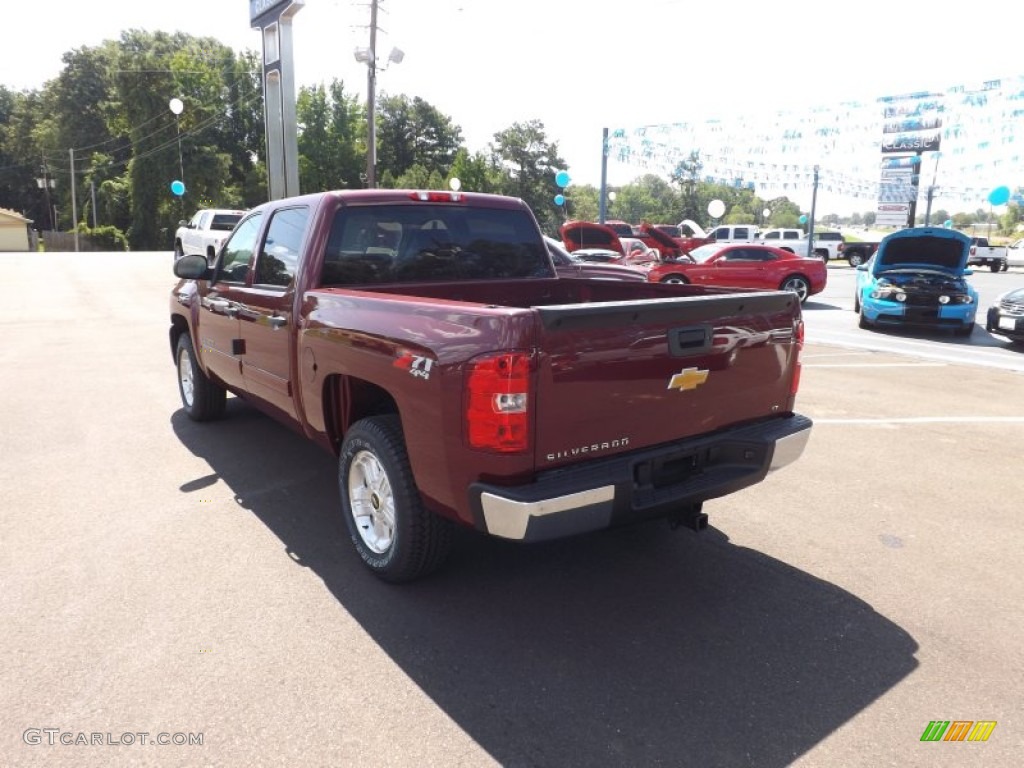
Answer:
x=105 y=238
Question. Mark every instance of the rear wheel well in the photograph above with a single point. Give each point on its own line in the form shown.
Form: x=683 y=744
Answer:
x=346 y=400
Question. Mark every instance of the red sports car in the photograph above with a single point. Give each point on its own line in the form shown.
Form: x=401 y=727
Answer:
x=744 y=265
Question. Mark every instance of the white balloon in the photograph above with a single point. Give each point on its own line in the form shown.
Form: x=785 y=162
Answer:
x=455 y=184
x=715 y=209
x=176 y=105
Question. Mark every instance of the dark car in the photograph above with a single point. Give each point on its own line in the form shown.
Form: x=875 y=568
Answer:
x=1006 y=316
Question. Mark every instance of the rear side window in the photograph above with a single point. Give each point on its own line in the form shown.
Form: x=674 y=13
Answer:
x=419 y=242
x=280 y=253
x=225 y=222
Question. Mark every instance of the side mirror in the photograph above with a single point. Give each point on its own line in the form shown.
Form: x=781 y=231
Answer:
x=192 y=267
x=182 y=223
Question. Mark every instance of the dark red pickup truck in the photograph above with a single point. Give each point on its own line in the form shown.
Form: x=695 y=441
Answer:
x=425 y=339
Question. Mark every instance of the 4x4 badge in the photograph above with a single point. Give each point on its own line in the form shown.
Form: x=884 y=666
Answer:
x=688 y=378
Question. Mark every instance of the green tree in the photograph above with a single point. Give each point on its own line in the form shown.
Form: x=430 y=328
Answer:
x=20 y=158
x=688 y=176
x=476 y=172
x=529 y=164
x=329 y=154
x=413 y=132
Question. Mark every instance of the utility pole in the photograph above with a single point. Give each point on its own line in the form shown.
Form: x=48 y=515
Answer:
x=74 y=201
x=810 y=228
x=92 y=189
x=371 y=97
x=931 y=191
x=603 y=211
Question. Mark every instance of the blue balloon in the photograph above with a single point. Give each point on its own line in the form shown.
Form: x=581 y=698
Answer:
x=559 y=199
x=803 y=218
x=562 y=179
x=999 y=196
x=948 y=223
x=178 y=187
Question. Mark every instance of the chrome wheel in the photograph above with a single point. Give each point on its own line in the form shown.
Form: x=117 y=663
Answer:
x=372 y=502
x=797 y=285
x=675 y=280
x=185 y=377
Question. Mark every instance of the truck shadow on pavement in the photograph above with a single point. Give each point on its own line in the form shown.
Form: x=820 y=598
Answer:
x=638 y=646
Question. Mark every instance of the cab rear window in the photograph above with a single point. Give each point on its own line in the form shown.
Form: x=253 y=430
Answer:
x=391 y=243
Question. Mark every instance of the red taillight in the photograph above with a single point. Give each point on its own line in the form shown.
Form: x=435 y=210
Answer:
x=498 y=402
x=797 y=365
x=436 y=197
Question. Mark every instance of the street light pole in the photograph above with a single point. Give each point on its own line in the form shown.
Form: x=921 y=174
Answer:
x=931 y=191
x=74 y=200
x=371 y=99
x=369 y=56
x=814 y=202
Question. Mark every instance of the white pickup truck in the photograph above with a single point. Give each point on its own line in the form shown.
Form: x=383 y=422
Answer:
x=827 y=244
x=1015 y=254
x=984 y=255
x=204 y=234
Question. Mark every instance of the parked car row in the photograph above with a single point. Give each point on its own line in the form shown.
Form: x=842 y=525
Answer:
x=915 y=277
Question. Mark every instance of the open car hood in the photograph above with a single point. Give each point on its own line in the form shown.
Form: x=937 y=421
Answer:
x=935 y=248
x=587 y=234
x=693 y=226
x=666 y=243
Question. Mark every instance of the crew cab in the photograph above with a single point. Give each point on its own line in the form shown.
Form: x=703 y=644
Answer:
x=205 y=232
x=984 y=255
x=425 y=339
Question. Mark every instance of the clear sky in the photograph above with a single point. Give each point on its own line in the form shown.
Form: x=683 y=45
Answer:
x=578 y=65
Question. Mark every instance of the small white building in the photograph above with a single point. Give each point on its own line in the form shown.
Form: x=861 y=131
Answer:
x=15 y=231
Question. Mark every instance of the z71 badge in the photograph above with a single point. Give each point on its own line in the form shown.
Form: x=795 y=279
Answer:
x=416 y=365
x=688 y=378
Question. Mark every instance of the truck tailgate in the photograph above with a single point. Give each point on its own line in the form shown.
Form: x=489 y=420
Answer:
x=618 y=376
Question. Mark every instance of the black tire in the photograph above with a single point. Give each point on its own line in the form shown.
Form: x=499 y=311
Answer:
x=202 y=398
x=1004 y=265
x=822 y=254
x=862 y=321
x=855 y=259
x=675 y=279
x=995 y=266
x=374 y=461
x=178 y=252
x=799 y=285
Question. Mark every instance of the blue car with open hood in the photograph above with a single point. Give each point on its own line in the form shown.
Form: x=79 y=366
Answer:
x=918 y=277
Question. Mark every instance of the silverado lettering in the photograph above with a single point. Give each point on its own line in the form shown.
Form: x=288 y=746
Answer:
x=621 y=443
x=426 y=341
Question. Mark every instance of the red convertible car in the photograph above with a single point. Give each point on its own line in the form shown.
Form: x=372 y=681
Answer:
x=744 y=265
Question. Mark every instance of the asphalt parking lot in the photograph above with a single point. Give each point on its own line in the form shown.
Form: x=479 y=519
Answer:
x=165 y=577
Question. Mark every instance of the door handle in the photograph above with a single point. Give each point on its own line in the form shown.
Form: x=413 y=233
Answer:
x=229 y=308
x=277 y=322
